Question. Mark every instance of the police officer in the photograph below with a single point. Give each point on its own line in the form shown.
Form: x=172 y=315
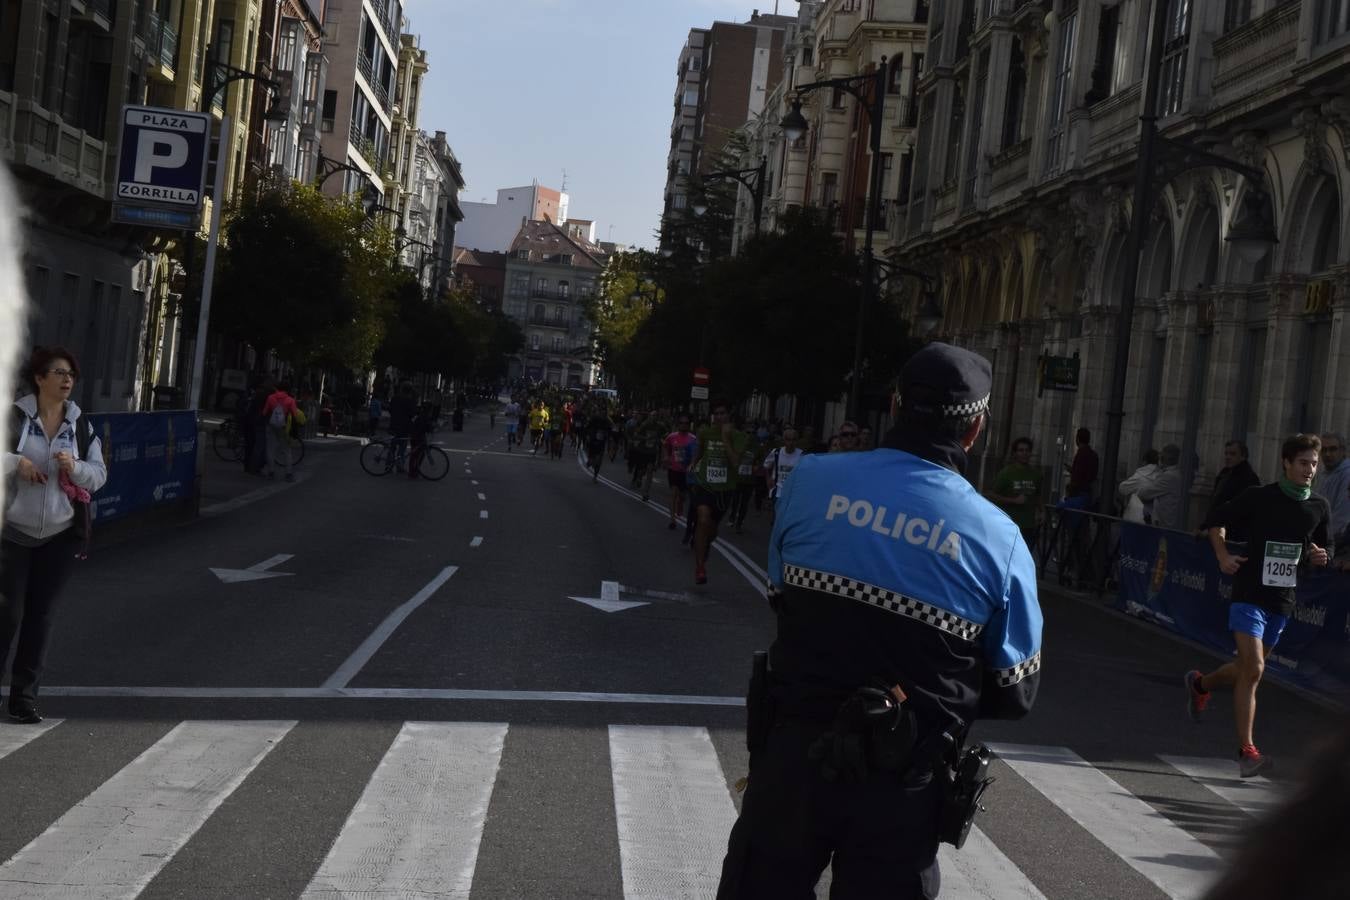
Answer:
x=907 y=608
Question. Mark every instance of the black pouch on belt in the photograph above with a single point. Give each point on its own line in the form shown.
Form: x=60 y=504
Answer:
x=758 y=704
x=967 y=782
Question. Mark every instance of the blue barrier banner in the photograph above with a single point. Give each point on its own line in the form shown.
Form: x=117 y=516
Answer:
x=151 y=459
x=1174 y=580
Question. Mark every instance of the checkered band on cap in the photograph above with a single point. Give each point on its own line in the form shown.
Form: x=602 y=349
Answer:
x=1009 y=677
x=890 y=601
x=961 y=410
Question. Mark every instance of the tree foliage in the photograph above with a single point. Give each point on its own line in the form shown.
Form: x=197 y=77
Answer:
x=453 y=336
x=305 y=276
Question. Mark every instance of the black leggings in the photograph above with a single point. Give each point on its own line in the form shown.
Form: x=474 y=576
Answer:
x=30 y=580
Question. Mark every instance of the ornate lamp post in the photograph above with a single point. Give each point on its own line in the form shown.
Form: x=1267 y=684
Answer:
x=794 y=128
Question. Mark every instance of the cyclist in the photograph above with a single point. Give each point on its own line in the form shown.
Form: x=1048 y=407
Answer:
x=1287 y=529
x=423 y=424
x=402 y=409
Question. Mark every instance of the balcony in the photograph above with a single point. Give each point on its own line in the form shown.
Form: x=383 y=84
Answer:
x=98 y=13
x=1010 y=168
x=550 y=294
x=551 y=322
x=1256 y=56
x=1115 y=125
x=161 y=43
x=364 y=145
x=40 y=140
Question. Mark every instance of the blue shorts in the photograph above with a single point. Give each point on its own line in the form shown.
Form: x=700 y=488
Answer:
x=1265 y=626
x=511 y=427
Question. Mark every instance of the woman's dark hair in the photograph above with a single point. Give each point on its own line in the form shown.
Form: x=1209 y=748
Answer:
x=1151 y=456
x=42 y=358
x=1298 y=443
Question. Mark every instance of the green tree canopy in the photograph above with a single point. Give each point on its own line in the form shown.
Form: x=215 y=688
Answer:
x=305 y=276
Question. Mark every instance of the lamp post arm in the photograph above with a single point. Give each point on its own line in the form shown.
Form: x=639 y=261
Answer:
x=1195 y=158
x=753 y=179
x=853 y=85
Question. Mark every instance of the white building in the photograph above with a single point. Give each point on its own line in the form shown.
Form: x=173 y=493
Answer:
x=494 y=226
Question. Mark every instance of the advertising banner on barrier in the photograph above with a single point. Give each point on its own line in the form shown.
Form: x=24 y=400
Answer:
x=1173 y=579
x=151 y=459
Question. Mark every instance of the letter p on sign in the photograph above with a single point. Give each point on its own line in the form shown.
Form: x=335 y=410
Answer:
x=159 y=150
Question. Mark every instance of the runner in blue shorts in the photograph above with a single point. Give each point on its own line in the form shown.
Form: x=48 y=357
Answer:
x=1288 y=530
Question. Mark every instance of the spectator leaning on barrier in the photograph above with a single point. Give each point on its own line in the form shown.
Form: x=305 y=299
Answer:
x=1129 y=489
x=1163 y=490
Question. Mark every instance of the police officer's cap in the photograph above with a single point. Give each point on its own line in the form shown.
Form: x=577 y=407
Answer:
x=945 y=382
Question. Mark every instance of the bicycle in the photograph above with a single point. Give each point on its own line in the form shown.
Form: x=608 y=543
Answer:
x=378 y=458
x=228 y=442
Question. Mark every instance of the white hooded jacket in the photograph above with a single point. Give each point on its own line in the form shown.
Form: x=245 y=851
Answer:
x=41 y=511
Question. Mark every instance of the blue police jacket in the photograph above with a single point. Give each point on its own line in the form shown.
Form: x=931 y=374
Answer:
x=886 y=568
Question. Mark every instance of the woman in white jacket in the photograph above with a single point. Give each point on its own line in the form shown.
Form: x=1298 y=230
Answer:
x=50 y=483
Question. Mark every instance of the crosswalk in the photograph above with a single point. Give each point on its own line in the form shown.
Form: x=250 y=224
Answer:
x=421 y=809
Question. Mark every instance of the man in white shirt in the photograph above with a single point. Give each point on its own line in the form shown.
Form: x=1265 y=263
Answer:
x=780 y=462
x=1161 y=488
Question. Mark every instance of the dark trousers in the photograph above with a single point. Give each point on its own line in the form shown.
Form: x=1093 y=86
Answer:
x=30 y=580
x=740 y=504
x=878 y=836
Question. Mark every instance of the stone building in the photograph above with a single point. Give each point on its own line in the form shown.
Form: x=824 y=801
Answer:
x=1020 y=202
x=551 y=271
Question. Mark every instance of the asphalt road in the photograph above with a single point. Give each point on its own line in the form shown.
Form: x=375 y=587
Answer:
x=394 y=691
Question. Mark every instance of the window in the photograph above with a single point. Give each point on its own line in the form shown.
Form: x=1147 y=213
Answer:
x=1236 y=13
x=1104 y=69
x=836 y=99
x=808 y=56
x=523 y=254
x=679 y=201
x=564 y=289
x=329 y=110
x=955 y=127
x=1176 y=49
x=50 y=85
x=897 y=73
x=906 y=177
x=921 y=11
x=695 y=63
x=829 y=189
x=539 y=312
x=1059 y=100
x=1016 y=97
x=541 y=287
x=557 y=343
x=520 y=284
x=691 y=97
x=1333 y=19
x=534 y=342
x=912 y=105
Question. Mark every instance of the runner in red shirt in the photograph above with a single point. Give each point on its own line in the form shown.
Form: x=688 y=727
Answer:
x=677 y=451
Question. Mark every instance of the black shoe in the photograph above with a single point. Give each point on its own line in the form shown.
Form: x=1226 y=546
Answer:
x=24 y=715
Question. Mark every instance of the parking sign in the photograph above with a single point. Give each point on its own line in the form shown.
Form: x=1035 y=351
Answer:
x=163 y=158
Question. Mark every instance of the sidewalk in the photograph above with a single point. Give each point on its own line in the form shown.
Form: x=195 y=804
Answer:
x=225 y=486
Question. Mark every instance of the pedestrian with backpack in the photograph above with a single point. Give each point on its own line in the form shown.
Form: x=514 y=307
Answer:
x=55 y=467
x=280 y=410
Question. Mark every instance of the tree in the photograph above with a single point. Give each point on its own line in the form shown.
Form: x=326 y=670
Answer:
x=626 y=296
x=305 y=276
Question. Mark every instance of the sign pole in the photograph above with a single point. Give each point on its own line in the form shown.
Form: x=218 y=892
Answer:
x=209 y=271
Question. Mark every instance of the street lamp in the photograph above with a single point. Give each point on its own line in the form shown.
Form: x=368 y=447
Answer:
x=327 y=168
x=753 y=179
x=929 y=314
x=794 y=127
x=1252 y=232
x=212 y=84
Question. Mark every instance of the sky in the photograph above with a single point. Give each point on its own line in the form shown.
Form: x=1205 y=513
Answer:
x=526 y=90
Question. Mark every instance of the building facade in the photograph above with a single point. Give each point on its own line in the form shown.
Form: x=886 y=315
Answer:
x=111 y=293
x=494 y=226
x=290 y=47
x=1020 y=203
x=724 y=77
x=356 y=119
x=550 y=273
x=445 y=212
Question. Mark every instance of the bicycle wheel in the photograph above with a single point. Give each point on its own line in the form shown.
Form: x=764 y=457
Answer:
x=375 y=458
x=227 y=443
x=297 y=453
x=435 y=464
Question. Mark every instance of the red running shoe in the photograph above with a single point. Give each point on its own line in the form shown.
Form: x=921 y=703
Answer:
x=1196 y=699
x=700 y=576
x=1251 y=763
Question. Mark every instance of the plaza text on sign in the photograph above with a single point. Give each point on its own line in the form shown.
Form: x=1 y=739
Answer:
x=163 y=157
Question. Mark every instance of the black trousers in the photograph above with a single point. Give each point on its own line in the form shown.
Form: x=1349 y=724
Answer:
x=878 y=836
x=30 y=580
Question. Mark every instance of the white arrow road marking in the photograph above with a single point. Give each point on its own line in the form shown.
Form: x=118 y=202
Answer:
x=482 y=496
x=609 y=601
x=256 y=572
x=482 y=514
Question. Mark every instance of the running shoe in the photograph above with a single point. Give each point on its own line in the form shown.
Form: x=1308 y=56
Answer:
x=1251 y=763
x=671 y=525
x=1196 y=700
x=700 y=576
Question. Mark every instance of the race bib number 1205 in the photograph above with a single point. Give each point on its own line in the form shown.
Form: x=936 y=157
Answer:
x=1280 y=568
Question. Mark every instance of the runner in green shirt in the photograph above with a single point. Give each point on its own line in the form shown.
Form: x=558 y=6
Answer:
x=720 y=447
x=1017 y=490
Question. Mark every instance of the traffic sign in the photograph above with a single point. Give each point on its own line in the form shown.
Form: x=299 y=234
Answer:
x=163 y=157
x=701 y=375
x=698 y=392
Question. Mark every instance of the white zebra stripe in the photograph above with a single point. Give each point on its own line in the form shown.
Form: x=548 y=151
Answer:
x=113 y=842
x=1166 y=855
x=12 y=737
x=980 y=871
x=673 y=808
x=1253 y=796
x=416 y=829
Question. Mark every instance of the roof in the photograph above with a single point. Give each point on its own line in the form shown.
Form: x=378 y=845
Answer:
x=485 y=258
x=547 y=239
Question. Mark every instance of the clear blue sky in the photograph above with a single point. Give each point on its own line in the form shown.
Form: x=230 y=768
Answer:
x=524 y=89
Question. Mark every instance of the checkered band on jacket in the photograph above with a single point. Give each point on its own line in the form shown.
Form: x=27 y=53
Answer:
x=890 y=601
x=1009 y=677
